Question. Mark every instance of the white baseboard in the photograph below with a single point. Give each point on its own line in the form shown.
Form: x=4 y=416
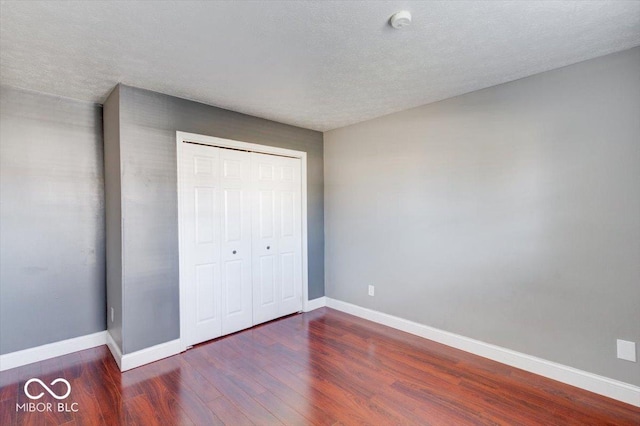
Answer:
x=145 y=356
x=311 y=305
x=115 y=350
x=51 y=350
x=572 y=376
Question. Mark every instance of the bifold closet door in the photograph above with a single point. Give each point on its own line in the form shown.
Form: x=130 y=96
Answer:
x=216 y=212
x=235 y=244
x=277 y=237
x=200 y=226
x=241 y=231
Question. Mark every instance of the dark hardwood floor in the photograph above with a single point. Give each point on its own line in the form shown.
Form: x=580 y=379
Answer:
x=323 y=367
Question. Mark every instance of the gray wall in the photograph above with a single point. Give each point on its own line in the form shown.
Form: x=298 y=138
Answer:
x=113 y=213
x=52 y=267
x=510 y=215
x=148 y=122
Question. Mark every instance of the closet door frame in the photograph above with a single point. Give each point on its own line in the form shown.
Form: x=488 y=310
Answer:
x=185 y=137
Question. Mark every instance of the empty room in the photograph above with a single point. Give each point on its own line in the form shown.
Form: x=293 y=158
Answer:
x=319 y=212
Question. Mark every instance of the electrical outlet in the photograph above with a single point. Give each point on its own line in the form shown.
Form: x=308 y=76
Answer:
x=626 y=350
x=112 y=313
x=372 y=290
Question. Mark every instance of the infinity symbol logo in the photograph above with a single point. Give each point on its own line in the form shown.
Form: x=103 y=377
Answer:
x=52 y=393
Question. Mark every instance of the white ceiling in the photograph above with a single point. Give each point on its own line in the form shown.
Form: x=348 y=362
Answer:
x=315 y=64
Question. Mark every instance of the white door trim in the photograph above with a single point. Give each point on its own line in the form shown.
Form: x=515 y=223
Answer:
x=182 y=137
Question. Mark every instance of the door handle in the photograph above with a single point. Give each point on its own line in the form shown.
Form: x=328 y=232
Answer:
x=234 y=252
x=268 y=247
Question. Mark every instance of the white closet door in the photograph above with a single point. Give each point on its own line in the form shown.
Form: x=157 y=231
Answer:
x=290 y=238
x=201 y=235
x=235 y=244
x=277 y=237
x=266 y=293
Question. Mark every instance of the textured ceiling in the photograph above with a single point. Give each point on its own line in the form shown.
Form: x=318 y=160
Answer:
x=315 y=64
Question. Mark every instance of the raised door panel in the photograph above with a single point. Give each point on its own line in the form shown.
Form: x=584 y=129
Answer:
x=288 y=276
x=266 y=215
x=233 y=216
x=204 y=217
x=206 y=283
x=233 y=274
x=267 y=276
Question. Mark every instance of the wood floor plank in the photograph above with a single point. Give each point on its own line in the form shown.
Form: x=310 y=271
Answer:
x=189 y=400
x=9 y=384
x=304 y=405
x=286 y=414
x=310 y=390
x=203 y=388
x=319 y=368
x=228 y=412
x=8 y=414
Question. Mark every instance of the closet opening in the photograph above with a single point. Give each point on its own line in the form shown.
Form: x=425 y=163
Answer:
x=242 y=235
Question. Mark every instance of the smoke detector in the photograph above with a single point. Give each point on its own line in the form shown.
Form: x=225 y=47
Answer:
x=400 y=19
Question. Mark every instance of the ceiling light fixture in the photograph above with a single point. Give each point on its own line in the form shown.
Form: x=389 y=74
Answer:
x=400 y=19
